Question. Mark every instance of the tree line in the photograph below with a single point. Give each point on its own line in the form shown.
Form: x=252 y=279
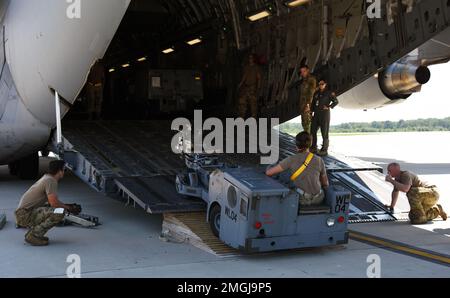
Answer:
x=431 y=124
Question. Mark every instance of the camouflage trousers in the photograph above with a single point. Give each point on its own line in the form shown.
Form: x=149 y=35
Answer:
x=95 y=98
x=422 y=201
x=306 y=121
x=248 y=97
x=39 y=220
x=309 y=199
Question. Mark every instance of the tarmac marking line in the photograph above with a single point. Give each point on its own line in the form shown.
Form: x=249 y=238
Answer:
x=402 y=248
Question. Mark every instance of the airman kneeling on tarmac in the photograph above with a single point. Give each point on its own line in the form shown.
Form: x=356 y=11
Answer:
x=37 y=209
x=309 y=172
x=422 y=198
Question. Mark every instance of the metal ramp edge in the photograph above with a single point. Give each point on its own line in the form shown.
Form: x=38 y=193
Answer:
x=156 y=195
x=128 y=160
x=192 y=228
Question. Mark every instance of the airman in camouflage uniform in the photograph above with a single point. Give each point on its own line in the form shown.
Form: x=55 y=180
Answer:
x=422 y=197
x=94 y=90
x=39 y=221
x=308 y=87
x=36 y=210
x=249 y=87
x=422 y=201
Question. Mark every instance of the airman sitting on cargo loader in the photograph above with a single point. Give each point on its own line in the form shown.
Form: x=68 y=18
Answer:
x=309 y=173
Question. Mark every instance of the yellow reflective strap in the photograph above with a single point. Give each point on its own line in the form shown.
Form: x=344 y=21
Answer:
x=303 y=167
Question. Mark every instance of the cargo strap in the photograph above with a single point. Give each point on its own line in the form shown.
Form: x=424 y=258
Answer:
x=303 y=167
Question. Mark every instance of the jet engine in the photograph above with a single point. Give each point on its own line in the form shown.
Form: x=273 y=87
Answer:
x=394 y=84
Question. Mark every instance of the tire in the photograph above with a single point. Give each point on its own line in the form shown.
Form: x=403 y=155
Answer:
x=28 y=167
x=214 y=220
x=14 y=168
x=45 y=153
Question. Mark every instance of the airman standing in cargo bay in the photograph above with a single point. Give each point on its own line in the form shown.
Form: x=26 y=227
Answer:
x=94 y=90
x=422 y=197
x=307 y=89
x=249 y=88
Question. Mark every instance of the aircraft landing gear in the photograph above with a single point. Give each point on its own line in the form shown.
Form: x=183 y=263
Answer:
x=26 y=168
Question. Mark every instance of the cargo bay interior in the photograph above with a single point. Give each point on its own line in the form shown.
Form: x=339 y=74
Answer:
x=167 y=58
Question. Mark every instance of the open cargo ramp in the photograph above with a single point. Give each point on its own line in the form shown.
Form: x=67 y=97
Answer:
x=133 y=160
x=128 y=159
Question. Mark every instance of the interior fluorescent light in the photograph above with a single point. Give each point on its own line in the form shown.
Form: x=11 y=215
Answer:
x=194 y=41
x=142 y=59
x=295 y=3
x=259 y=15
x=126 y=65
x=112 y=70
x=168 y=51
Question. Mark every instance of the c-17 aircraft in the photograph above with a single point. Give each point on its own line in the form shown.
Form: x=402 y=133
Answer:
x=374 y=53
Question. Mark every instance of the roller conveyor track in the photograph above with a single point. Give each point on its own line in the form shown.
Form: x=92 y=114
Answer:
x=134 y=160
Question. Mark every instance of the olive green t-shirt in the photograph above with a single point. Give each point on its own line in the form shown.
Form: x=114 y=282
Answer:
x=36 y=196
x=309 y=180
x=412 y=179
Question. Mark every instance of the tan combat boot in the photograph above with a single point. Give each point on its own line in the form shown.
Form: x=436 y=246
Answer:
x=35 y=241
x=442 y=212
x=43 y=238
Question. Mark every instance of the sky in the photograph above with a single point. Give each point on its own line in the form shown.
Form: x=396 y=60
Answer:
x=432 y=102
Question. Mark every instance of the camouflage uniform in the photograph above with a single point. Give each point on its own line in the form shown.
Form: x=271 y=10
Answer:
x=35 y=213
x=39 y=220
x=94 y=90
x=248 y=94
x=95 y=97
x=422 y=201
x=307 y=89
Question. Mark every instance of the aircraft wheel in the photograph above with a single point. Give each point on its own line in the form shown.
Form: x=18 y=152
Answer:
x=214 y=220
x=45 y=153
x=28 y=167
x=14 y=168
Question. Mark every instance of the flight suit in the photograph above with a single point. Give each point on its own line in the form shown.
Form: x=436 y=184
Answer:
x=422 y=201
x=248 y=94
x=321 y=105
x=307 y=89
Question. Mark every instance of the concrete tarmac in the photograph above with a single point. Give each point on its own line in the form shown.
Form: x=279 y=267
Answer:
x=127 y=244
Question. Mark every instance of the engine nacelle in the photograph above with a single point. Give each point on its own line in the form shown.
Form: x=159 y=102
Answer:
x=400 y=80
x=393 y=85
